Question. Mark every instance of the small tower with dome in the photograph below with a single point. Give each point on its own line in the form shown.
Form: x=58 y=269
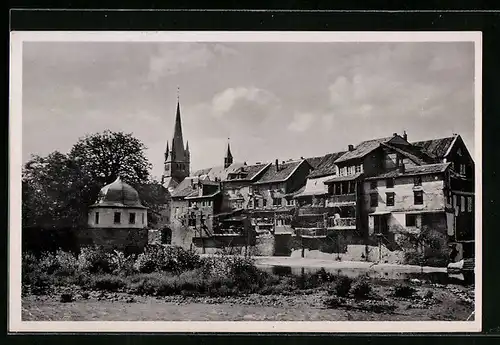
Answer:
x=117 y=219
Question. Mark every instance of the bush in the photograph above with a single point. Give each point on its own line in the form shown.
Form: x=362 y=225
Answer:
x=333 y=302
x=154 y=284
x=361 y=289
x=342 y=286
x=403 y=290
x=108 y=282
x=97 y=260
x=59 y=263
x=429 y=294
x=160 y=258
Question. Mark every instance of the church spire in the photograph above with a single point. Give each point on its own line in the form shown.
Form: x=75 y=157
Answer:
x=178 y=141
x=176 y=166
x=167 y=152
x=228 y=160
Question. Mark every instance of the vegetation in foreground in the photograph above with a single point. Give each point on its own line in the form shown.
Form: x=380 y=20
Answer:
x=167 y=272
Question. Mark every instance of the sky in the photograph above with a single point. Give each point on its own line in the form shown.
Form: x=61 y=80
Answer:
x=272 y=100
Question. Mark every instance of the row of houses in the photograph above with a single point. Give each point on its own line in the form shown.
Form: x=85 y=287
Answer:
x=377 y=188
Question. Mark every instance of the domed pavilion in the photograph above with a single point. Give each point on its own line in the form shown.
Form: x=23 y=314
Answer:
x=118 y=206
x=117 y=220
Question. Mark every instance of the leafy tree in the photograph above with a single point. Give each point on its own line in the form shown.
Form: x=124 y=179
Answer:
x=105 y=156
x=47 y=186
x=155 y=197
x=57 y=189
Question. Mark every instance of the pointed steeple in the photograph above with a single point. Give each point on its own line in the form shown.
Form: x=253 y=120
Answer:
x=177 y=158
x=178 y=141
x=167 y=152
x=228 y=159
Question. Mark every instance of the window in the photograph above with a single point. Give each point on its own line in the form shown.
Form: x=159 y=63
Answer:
x=418 y=197
x=373 y=185
x=276 y=201
x=209 y=203
x=469 y=204
x=192 y=220
x=264 y=202
x=143 y=218
x=462 y=169
x=290 y=202
x=351 y=187
x=250 y=203
x=417 y=181
x=411 y=220
x=389 y=199
x=389 y=183
x=117 y=218
x=358 y=168
x=97 y=217
x=131 y=218
x=373 y=200
x=462 y=203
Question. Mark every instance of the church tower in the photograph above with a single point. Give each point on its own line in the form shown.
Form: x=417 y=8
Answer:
x=176 y=165
x=228 y=160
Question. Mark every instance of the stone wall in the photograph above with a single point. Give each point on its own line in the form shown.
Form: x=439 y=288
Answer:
x=126 y=240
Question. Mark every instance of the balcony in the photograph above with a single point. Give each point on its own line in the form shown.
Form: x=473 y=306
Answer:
x=334 y=200
x=342 y=223
x=312 y=210
x=310 y=232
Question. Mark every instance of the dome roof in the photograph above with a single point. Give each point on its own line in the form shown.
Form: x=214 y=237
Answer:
x=118 y=194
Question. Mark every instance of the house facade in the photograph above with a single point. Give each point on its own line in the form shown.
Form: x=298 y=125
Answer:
x=362 y=198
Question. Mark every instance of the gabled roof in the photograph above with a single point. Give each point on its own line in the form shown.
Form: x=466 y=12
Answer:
x=250 y=172
x=437 y=147
x=314 y=186
x=314 y=161
x=325 y=165
x=284 y=172
x=217 y=173
x=411 y=171
x=362 y=149
x=185 y=188
x=410 y=153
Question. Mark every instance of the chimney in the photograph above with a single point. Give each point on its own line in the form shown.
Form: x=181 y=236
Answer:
x=405 y=136
x=277 y=165
x=351 y=147
x=394 y=134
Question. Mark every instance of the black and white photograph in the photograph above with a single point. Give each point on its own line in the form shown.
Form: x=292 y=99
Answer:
x=245 y=181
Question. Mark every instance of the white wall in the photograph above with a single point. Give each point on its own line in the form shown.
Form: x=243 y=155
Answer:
x=106 y=218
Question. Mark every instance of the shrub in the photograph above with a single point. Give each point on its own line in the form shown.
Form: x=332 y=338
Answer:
x=333 y=302
x=59 y=263
x=108 y=282
x=404 y=290
x=154 y=284
x=361 y=289
x=97 y=260
x=307 y=281
x=429 y=294
x=342 y=286
x=325 y=276
x=158 y=258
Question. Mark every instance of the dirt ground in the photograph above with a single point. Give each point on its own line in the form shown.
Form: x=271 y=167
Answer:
x=448 y=303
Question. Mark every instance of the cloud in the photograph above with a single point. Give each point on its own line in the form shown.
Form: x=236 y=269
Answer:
x=301 y=122
x=226 y=100
x=179 y=57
